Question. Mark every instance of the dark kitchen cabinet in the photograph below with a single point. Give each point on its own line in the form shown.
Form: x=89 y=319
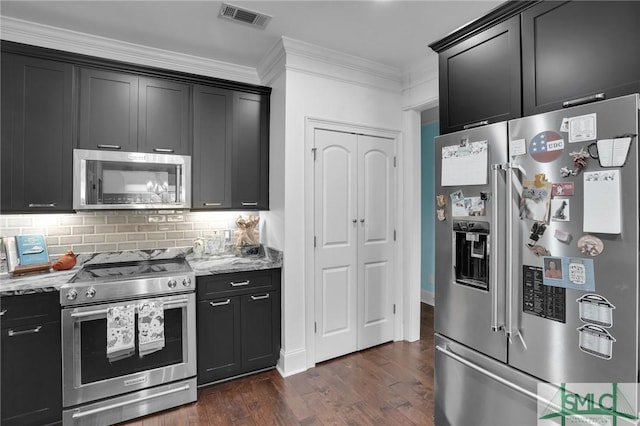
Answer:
x=37 y=135
x=108 y=110
x=238 y=323
x=31 y=359
x=163 y=117
x=130 y=113
x=212 y=147
x=250 y=170
x=577 y=49
x=479 y=78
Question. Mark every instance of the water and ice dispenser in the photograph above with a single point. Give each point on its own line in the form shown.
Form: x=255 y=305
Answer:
x=471 y=253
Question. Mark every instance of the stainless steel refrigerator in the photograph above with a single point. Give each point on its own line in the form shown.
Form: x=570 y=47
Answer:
x=536 y=263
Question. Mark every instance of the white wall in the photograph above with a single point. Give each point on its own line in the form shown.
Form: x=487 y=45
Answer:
x=311 y=94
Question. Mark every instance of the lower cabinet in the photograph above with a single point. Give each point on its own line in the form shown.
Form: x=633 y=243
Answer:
x=238 y=323
x=31 y=360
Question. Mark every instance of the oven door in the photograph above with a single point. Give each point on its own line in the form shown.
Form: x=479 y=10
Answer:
x=88 y=374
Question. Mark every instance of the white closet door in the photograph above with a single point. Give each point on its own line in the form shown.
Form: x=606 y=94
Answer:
x=336 y=243
x=376 y=219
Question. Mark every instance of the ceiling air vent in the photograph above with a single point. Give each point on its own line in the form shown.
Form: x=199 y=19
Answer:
x=245 y=16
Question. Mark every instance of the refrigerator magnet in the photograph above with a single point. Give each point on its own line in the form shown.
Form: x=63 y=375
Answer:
x=562 y=189
x=441 y=200
x=562 y=236
x=590 y=245
x=595 y=309
x=560 y=210
x=564 y=127
x=441 y=215
x=596 y=341
x=583 y=128
x=456 y=196
x=575 y=273
x=517 y=147
x=546 y=146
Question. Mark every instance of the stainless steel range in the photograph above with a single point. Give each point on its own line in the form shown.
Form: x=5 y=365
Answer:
x=128 y=340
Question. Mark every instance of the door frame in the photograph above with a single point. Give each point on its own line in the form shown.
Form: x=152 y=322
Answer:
x=311 y=124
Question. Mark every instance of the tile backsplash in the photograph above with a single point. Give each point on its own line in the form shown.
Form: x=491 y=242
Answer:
x=91 y=232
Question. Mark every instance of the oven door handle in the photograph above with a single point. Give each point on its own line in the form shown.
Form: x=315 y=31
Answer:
x=79 y=415
x=104 y=311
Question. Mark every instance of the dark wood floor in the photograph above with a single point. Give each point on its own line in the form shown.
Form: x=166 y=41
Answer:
x=391 y=384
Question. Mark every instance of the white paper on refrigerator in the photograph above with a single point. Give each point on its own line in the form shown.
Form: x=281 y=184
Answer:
x=602 y=202
x=465 y=164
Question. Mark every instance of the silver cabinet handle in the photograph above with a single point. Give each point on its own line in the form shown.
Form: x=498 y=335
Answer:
x=585 y=100
x=226 y=302
x=477 y=124
x=12 y=333
x=103 y=146
x=249 y=204
x=40 y=205
x=355 y=221
x=166 y=150
x=81 y=414
x=361 y=220
x=212 y=204
x=265 y=296
x=4 y=311
x=240 y=284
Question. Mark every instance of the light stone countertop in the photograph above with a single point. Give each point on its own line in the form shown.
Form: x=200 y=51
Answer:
x=267 y=258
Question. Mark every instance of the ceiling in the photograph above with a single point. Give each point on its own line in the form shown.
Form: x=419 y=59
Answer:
x=391 y=32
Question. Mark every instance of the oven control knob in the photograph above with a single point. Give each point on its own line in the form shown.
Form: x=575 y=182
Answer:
x=172 y=283
x=72 y=294
x=90 y=293
x=186 y=282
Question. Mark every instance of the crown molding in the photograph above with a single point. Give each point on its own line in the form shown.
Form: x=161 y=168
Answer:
x=31 y=33
x=294 y=55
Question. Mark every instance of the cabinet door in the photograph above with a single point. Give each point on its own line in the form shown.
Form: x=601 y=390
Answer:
x=37 y=140
x=577 y=49
x=163 y=117
x=250 y=173
x=212 y=148
x=108 y=110
x=31 y=377
x=260 y=330
x=480 y=78
x=219 y=350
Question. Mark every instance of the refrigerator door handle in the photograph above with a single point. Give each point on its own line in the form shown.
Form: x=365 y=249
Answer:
x=511 y=179
x=497 y=378
x=497 y=320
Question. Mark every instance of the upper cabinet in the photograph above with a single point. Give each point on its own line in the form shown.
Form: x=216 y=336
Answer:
x=573 y=51
x=125 y=112
x=212 y=148
x=37 y=135
x=480 y=78
x=527 y=57
x=250 y=171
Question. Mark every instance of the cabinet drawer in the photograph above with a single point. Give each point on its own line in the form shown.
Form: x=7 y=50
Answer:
x=215 y=286
x=37 y=308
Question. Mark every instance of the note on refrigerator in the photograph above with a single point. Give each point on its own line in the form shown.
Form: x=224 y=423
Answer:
x=602 y=202
x=465 y=164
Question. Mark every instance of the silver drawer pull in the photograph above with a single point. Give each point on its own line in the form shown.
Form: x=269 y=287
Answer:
x=12 y=333
x=226 y=302
x=265 y=296
x=163 y=150
x=240 y=284
x=211 y=204
x=102 y=146
x=4 y=311
x=249 y=204
x=37 y=205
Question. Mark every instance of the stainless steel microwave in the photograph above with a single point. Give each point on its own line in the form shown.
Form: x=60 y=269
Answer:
x=114 y=180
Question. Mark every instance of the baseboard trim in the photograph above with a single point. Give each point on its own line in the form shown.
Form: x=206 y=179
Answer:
x=427 y=297
x=291 y=363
